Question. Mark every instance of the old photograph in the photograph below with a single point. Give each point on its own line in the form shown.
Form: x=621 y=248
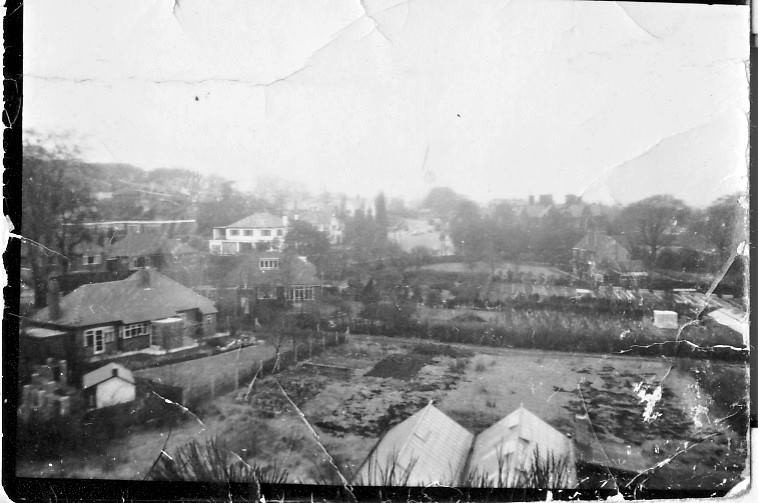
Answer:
x=385 y=243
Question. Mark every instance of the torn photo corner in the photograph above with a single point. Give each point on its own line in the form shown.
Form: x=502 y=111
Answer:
x=380 y=249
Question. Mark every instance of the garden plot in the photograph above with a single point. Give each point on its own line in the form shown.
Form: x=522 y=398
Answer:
x=351 y=394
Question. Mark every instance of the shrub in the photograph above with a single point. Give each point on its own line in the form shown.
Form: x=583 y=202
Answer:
x=212 y=461
x=458 y=366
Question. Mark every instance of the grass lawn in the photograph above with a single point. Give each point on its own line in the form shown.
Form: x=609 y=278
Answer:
x=352 y=393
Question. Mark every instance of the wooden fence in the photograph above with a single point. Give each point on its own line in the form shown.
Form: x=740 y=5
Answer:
x=205 y=378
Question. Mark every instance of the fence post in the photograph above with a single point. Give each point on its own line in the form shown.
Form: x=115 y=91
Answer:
x=213 y=387
x=310 y=346
x=294 y=350
x=236 y=376
x=323 y=341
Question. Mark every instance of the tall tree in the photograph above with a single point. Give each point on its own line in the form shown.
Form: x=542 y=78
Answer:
x=381 y=218
x=724 y=224
x=468 y=231
x=227 y=206
x=304 y=239
x=442 y=201
x=651 y=221
x=54 y=192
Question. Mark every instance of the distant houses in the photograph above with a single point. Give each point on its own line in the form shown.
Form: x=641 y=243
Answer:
x=101 y=320
x=596 y=252
x=168 y=228
x=256 y=231
x=266 y=231
x=521 y=450
x=147 y=249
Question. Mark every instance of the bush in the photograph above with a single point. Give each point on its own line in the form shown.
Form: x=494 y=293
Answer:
x=212 y=461
x=458 y=366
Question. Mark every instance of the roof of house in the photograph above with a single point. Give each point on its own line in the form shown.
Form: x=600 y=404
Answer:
x=149 y=243
x=106 y=372
x=87 y=248
x=127 y=301
x=137 y=245
x=515 y=443
x=314 y=217
x=257 y=220
x=427 y=447
x=293 y=270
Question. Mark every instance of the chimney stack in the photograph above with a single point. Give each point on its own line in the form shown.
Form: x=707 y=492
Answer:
x=114 y=372
x=531 y=200
x=143 y=278
x=53 y=299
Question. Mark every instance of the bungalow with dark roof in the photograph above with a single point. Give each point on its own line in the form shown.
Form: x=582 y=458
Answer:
x=147 y=249
x=259 y=230
x=275 y=276
x=100 y=320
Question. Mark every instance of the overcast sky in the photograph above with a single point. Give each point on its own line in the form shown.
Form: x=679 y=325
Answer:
x=494 y=99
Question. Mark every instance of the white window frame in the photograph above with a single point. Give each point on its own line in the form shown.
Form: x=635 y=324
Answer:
x=266 y=233
x=98 y=337
x=234 y=232
x=105 y=333
x=266 y=264
x=136 y=330
x=247 y=232
x=300 y=293
x=91 y=259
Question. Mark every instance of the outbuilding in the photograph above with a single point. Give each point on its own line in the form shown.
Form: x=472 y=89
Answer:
x=108 y=385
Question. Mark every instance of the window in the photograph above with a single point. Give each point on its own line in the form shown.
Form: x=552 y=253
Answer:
x=96 y=338
x=300 y=293
x=268 y=263
x=99 y=346
x=247 y=232
x=91 y=259
x=266 y=232
x=234 y=232
x=280 y=232
x=136 y=330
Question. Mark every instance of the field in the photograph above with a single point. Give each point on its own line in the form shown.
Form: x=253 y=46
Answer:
x=353 y=392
